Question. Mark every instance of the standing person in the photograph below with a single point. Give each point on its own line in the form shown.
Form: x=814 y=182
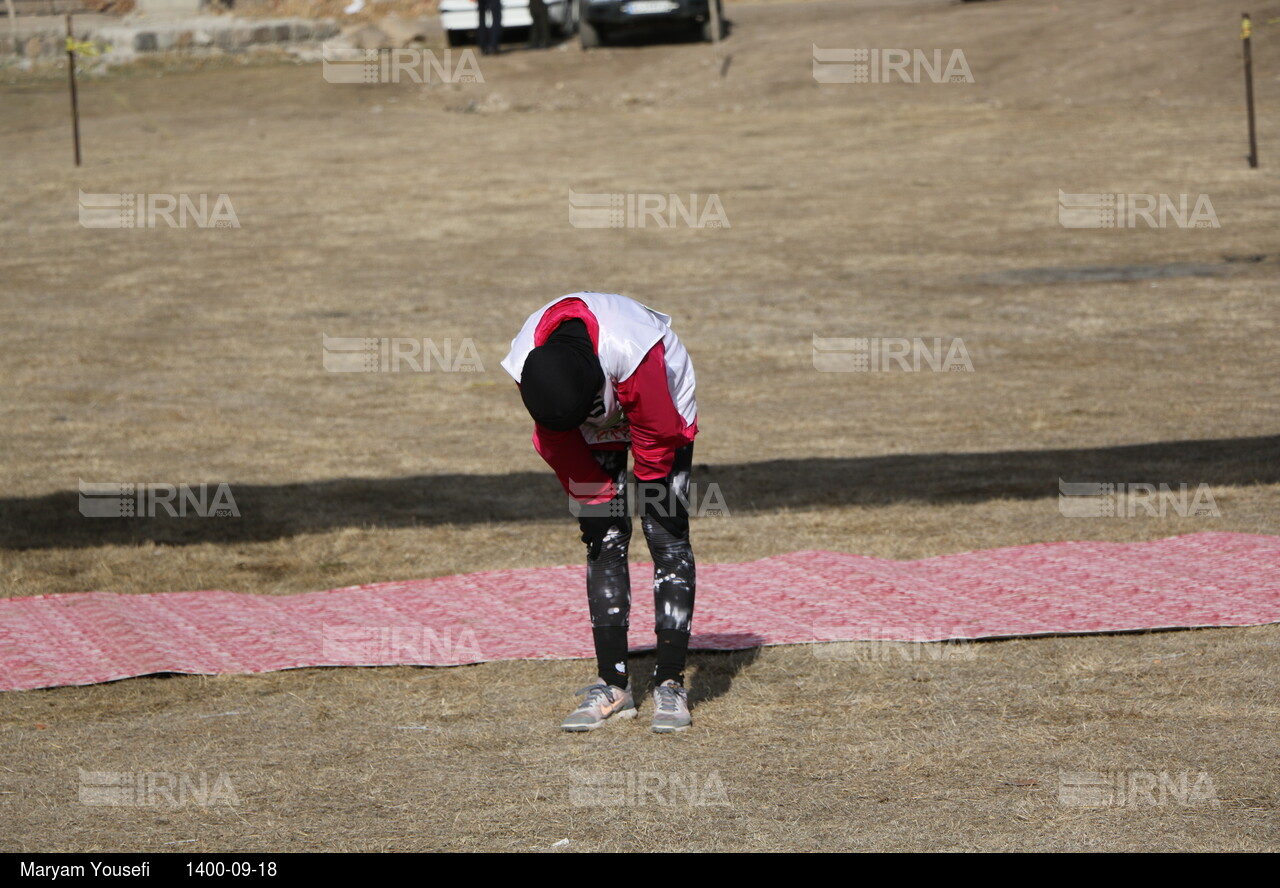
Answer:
x=540 y=33
x=601 y=374
x=489 y=32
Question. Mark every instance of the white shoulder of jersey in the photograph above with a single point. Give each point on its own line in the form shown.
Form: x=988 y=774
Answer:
x=627 y=330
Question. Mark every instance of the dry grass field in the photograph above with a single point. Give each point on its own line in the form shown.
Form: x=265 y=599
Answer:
x=440 y=211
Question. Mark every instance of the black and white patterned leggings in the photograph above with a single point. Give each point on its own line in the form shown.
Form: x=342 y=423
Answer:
x=608 y=580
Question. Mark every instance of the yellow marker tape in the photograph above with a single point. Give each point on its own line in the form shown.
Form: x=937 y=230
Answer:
x=1246 y=29
x=84 y=47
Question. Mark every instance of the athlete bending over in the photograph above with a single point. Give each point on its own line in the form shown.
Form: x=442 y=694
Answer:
x=599 y=374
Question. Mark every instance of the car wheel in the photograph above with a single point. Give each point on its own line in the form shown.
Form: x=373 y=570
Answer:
x=589 y=35
x=456 y=38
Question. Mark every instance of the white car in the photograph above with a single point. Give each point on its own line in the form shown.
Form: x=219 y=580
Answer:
x=460 y=18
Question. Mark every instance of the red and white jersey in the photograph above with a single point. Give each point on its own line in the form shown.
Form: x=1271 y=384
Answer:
x=647 y=398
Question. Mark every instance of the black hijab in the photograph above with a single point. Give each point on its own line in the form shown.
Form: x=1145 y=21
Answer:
x=561 y=378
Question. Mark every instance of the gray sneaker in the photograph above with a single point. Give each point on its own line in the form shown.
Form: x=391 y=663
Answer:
x=603 y=701
x=670 y=708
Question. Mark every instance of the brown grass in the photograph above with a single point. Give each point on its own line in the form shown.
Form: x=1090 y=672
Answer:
x=440 y=211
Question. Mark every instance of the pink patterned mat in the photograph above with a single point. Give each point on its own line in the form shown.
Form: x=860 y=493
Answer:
x=1206 y=579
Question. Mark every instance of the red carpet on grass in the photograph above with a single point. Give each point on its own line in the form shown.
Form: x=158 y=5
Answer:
x=1206 y=579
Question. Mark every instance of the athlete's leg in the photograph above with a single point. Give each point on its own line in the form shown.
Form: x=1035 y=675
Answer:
x=665 y=507
x=609 y=581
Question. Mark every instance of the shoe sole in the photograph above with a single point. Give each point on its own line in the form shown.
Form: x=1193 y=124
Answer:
x=579 y=729
x=665 y=729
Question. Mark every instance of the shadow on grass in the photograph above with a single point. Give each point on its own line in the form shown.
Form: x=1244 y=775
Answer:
x=710 y=673
x=276 y=511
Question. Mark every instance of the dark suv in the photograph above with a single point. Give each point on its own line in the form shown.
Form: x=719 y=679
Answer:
x=598 y=19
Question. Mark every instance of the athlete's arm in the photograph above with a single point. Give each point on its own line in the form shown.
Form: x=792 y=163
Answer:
x=657 y=428
x=570 y=458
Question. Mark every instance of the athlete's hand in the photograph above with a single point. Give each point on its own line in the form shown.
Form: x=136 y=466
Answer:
x=659 y=503
x=594 y=529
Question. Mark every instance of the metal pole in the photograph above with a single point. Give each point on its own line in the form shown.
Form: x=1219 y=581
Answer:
x=1246 y=33
x=715 y=26
x=71 y=74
